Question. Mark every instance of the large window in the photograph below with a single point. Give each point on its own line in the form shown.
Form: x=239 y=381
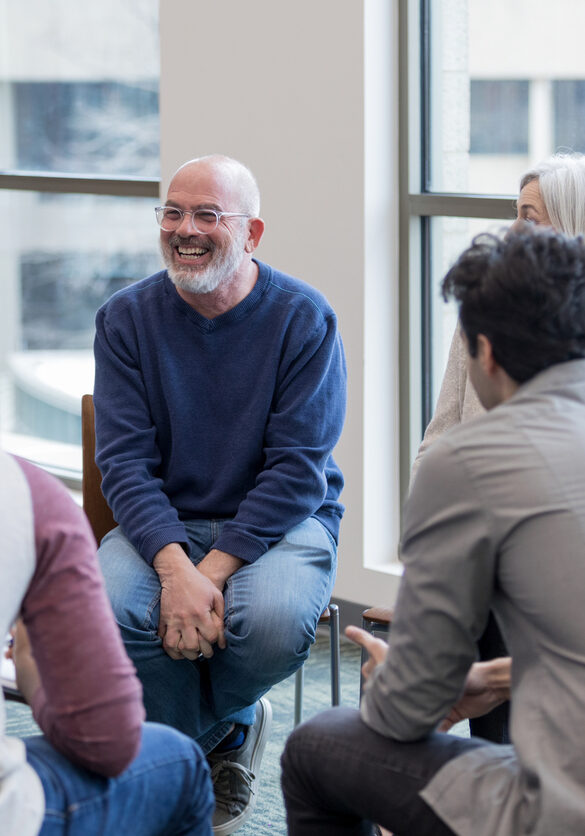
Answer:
x=498 y=116
x=79 y=170
x=487 y=91
x=104 y=127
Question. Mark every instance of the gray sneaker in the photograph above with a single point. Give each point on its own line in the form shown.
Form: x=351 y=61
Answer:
x=235 y=774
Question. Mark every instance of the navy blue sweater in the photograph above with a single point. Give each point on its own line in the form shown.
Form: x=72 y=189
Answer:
x=230 y=418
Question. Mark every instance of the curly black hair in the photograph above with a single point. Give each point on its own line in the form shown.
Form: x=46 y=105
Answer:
x=525 y=292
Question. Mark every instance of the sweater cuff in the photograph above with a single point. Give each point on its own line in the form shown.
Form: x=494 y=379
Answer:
x=152 y=543
x=248 y=549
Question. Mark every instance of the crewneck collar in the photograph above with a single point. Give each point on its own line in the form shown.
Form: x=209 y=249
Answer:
x=240 y=311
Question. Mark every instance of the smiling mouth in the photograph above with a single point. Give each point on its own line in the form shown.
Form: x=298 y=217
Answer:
x=191 y=252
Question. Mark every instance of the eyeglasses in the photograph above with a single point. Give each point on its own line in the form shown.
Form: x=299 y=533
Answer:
x=204 y=220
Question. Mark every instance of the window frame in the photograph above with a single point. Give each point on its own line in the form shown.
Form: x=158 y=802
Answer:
x=34 y=181
x=50 y=183
x=417 y=206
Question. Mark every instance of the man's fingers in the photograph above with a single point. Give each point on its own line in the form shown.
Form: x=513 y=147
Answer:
x=170 y=641
x=375 y=648
x=206 y=647
x=211 y=628
x=217 y=620
x=192 y=655
x=366 y=640
x=189 y=641
x=357 y=635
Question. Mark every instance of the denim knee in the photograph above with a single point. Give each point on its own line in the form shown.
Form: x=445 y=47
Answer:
x=132 y=585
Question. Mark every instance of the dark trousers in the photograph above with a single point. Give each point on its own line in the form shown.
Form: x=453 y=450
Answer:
x=339 y=776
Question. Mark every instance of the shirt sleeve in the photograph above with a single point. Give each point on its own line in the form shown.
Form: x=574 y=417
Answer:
x=89 y=704
x=443 y=603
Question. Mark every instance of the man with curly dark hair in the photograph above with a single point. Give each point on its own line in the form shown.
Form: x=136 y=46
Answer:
x=495 y=520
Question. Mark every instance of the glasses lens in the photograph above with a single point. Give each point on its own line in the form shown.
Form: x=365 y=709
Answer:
x=168 y=217
x=205 y=220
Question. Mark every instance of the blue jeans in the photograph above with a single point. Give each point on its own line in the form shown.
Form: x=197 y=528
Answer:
x=339 y=776
x=272 y=608
x=166 y=790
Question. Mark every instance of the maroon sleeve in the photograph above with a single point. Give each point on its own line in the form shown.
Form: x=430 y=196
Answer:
x=89 y=704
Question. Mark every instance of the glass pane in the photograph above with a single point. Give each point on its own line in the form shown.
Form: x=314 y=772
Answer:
x=507 y=89
x=498 y=117
x=61 y=257
x=79 y=87
x=569 y=114
x=449 y=237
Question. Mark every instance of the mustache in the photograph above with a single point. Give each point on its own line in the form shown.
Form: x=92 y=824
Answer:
x=191 y=241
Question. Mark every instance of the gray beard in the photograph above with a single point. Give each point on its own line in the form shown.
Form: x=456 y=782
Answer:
x=194 y=280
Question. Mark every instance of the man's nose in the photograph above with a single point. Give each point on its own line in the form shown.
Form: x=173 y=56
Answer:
x=187 y=223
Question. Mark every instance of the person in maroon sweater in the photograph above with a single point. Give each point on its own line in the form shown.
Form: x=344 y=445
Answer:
x=97 y=768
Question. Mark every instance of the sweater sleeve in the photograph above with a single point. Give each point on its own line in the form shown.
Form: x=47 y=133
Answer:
x=127 y=452
x=89 y=703
x=303 y=427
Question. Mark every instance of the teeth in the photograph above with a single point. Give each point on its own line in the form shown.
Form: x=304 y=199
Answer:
x=191 y=250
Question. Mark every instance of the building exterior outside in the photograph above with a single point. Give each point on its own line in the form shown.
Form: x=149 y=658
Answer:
x=79 y=96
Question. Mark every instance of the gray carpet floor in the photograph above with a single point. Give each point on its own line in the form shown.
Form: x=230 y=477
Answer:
x=268 y=818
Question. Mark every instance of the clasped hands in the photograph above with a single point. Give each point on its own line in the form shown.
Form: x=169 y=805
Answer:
x=487 y=684
x=192 y=604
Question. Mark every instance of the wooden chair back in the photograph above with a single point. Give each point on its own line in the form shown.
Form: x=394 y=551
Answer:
x=94 y=504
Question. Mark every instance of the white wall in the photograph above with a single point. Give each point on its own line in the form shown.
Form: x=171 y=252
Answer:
x=281 y=86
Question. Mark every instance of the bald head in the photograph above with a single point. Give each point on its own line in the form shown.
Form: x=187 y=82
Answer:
x=236 y=178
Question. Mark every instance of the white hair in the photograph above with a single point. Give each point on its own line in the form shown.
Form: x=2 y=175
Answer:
x=561 y=180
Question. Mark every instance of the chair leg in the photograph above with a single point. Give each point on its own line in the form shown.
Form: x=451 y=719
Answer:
x=335 y=665
x=299 y=684
x=334 y=647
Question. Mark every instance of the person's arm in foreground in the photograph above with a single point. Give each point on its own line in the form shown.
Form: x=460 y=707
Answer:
x=449 y=549
x=82 y=688
x=487 y=684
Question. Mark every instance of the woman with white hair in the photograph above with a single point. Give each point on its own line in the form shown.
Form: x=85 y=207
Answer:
x=557 y=188
x=551 y=194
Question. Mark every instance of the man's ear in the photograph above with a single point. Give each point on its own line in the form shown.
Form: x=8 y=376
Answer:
x=485 y=355
x=255 y=232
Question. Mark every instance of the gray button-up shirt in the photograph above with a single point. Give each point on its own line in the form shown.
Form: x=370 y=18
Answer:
x=496 y=518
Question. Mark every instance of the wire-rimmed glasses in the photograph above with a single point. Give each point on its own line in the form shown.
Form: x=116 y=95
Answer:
x=204 y=221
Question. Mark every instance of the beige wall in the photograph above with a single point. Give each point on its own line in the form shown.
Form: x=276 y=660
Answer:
x=289 y=90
